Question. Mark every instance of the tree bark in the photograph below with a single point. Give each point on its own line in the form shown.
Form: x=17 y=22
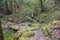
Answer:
x=1 y=32
x=42 y=8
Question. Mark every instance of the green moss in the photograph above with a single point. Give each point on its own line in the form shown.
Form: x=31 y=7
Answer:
x=21 y=38
x=35 y=26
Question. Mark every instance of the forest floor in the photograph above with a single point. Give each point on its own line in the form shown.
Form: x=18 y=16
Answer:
x=38 y=34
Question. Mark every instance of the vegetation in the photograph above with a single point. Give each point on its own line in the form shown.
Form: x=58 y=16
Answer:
x=25 y=19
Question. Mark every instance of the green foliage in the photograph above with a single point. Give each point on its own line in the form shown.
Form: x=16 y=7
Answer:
x=26 y=34
x=24 y=10
x=8 y=37
x=21 y=38
x=45 y=28
x=8 y=34
x=28 y=17
x=47 y=1
x=30 y=6
x=1 y=2
x=22 y=35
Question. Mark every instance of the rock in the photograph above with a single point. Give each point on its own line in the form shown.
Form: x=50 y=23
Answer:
x=38 y=35
x=56 y=33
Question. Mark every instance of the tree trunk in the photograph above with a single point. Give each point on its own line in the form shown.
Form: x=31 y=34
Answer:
x=1 y=32
x=42 y=8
